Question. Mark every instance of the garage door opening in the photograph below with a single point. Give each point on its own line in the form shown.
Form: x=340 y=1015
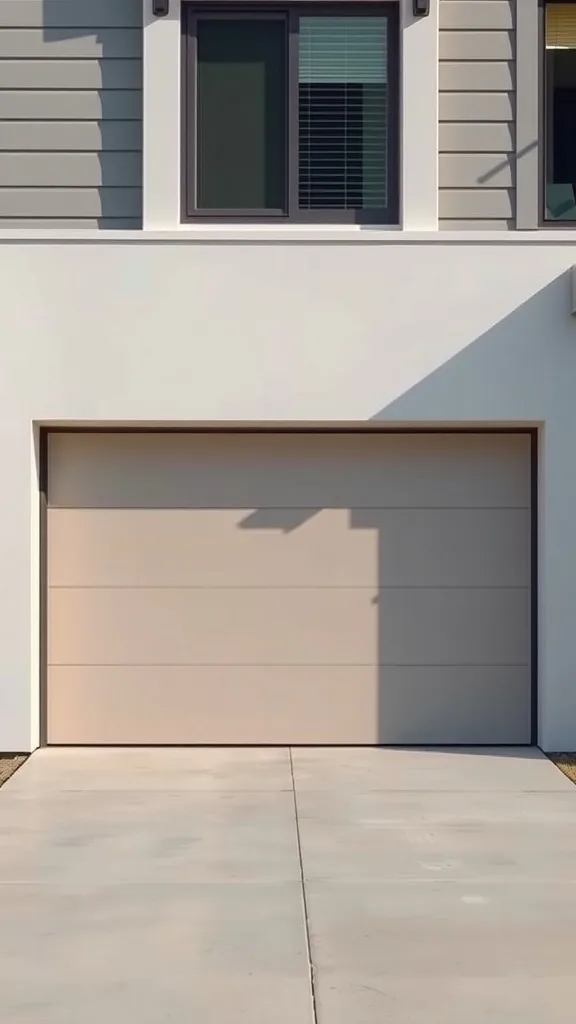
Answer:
x=289 y=588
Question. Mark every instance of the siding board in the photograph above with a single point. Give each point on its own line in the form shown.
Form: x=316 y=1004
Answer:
x=30 y=43
x=51 y=14
x=476 y=14
x=476 y=46
x=73 y=202
x=474 y=106
x=474 y=76
x=71 y=170
x=71 y=113
x=477 y=113
x=477 y=138
x=476 y=204
x=56 y=136
x=476 y=170
x=71 y=105
x=71 y=74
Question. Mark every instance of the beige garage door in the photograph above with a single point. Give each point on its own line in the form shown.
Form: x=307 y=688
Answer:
x=288 y=588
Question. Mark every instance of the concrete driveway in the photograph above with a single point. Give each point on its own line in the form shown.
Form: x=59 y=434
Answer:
x=287 y=887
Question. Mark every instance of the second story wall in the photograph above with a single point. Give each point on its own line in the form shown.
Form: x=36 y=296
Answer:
x=70 y=113
x=477 y=114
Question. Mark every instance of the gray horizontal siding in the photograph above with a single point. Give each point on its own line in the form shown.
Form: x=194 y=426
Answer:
x=70 y=202
x=70 y=170
x=475 y=45
x=477 y=113
x=72 y=105
x=475 y=170
x=476 y=204
x=51 y=14
x=71 y=74
x=477 y=138
x=36 y=43
x=71 y=113
x=477 y=76
x=71 y=136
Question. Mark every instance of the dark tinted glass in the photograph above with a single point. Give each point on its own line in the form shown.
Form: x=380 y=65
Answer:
x=241 y=114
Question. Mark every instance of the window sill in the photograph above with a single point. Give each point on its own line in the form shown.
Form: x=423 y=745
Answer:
x=285 y=234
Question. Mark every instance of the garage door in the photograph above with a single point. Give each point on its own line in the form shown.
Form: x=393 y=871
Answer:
x=288 y=588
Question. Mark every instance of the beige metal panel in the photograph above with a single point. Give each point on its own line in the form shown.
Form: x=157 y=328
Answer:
x=213 y=705
x=492 y=137
x=242 y=626
x=476 y=106
x=212 y=548
x=458 y=45
x=477 y=14
x=339 y=705
x=476 y=170
x=304 y=547
x=449 y=705
x=263 y=626
x=433 y=626
x=284 y=471
x=476 y=76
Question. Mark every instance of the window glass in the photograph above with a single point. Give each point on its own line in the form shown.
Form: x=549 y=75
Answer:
x=343 y=113
x=241 y=114
x=560 y=114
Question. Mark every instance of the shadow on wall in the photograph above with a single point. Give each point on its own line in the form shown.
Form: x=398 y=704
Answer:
x=526 y=361
x=97 y=111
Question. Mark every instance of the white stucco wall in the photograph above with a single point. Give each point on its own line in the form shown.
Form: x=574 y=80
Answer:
x=394 y=329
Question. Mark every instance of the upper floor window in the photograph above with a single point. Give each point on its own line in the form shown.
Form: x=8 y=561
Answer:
x=560 y=111
x=291 y=113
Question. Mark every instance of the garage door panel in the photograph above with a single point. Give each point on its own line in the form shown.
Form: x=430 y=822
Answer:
x=207 y=704
x=209 y=548
x=455 y=626
x=195 y=626
x=288 y=470
x=288 y=547
x=288 y=627
x=454 y=704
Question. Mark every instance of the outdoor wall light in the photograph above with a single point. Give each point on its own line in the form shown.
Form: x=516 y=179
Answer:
x=421 y=8
x=160 y=8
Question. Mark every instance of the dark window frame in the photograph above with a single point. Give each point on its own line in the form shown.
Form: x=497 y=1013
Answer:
x=290 y=13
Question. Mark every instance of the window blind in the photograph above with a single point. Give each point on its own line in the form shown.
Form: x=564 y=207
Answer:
x=343 y=113
x=561 y=26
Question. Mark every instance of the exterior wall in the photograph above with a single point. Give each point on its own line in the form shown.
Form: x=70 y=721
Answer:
x=170 y=330
x=477 y=114
x=70 y=113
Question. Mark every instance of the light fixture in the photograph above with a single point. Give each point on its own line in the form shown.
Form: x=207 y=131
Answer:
x=160 y=8
x=421 y=8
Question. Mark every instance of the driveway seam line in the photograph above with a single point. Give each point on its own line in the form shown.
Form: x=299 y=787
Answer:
x=311 y=971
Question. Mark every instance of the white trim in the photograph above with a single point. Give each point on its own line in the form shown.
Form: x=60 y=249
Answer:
x=161 y=119
x=418 y=120
x=259 y=234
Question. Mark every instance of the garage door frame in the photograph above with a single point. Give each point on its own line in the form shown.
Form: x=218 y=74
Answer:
x=45 y=431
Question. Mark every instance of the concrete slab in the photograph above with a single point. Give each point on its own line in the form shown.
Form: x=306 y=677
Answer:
x=440 y=885
x=152 y=953
x=161 y=768
x=168 y=885
x=113 y=837
x=456 y=768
